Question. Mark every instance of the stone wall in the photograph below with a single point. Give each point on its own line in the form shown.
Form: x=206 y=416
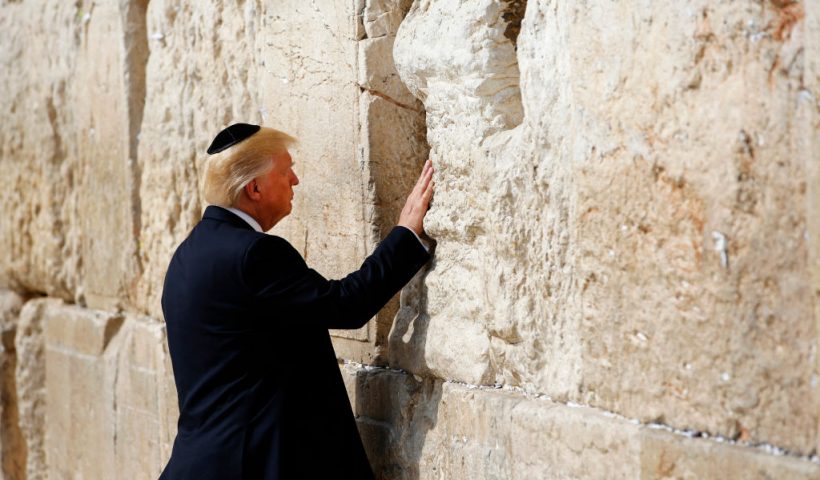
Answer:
x=627 y=264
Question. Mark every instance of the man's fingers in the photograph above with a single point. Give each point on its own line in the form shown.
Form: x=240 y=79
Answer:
x=428 y=194
x=426 y=173
x=427 y=177
x=428 y=167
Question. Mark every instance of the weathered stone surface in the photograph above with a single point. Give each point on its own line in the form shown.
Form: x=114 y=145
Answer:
x=111 y=405
x=38 y=173
x=626 y=217
x=665 y=455
x=423 y=428
x=192 y=91
x=12 y=445
x=691 y=230
x=807 y=145
x=452 y=81
x=30 y=379
x=80 y=368
x=107 y=122
x=146 y=400
x=78 y=238
x=638 y=241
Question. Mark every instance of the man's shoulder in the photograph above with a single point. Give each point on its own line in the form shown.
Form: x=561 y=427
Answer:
x=267 y=244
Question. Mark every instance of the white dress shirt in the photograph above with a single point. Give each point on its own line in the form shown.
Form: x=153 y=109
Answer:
x=253 y=223
x=244 y=216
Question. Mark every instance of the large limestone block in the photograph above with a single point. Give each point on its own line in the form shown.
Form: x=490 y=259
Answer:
x=146 y=400
x=690 y=215
x=12 y=444
x=81 y=349
x=321 y=71
x=107 y=122
x=71 y=117
x=95 y=392
x=422 y=428
x=110 y=402
x=667 y=455
x=807 y=145
x=627 y=228
x=37 y=252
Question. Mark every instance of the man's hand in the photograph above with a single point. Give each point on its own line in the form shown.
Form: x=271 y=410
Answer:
x=412 y=215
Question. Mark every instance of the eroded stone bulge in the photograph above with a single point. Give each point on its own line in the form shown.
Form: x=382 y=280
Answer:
x=622 y=224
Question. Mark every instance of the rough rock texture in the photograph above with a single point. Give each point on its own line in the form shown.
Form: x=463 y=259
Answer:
x=30 y=379
x=40 y=255
x=639 y=239
x=416 y=428
x=626 y=218
x=146 y=400
x=79 y=364
x=77 y=238
x=807 y=144
x=111 y=405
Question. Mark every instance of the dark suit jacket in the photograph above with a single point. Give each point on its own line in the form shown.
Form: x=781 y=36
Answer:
x=259 y=386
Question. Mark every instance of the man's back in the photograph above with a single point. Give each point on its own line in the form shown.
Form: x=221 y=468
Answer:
x=260 y=391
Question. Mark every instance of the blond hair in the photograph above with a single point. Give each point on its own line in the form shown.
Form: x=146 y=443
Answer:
x=227 y=172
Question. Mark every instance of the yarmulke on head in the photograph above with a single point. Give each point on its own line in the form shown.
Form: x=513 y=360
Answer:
x=231 y=135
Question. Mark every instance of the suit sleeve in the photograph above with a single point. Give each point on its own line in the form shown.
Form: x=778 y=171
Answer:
x=280 y=281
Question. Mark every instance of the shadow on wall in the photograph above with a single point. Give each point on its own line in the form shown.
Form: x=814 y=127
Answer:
x=395 y=409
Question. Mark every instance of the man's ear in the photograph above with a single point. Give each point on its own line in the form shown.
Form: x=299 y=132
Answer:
x=252 y=190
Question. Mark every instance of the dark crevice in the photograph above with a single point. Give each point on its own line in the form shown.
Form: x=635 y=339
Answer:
x=514 y=11
x=136 y=52
x=111 y=329
x=390 y=99
x=13 y=443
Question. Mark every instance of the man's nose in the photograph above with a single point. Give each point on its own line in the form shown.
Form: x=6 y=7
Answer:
x=295 y=180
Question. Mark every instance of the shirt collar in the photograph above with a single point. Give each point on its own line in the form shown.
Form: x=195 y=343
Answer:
x=244 y=216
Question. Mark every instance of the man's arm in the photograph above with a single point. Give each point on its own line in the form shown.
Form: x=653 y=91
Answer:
x=280 y=280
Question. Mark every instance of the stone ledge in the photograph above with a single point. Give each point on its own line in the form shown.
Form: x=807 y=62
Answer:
x=416 y=427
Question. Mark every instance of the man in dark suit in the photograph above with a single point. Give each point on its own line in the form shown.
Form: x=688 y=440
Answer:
x=260 y=391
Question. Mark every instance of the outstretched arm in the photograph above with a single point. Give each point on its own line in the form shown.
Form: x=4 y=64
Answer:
x=280 y=280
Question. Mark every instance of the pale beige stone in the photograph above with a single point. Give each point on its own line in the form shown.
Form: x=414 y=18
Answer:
x=807 y=144
x=30 y=382
x=192 y=91
x=37 y=253
x=107 y=122
x=81 y=349
x=146 y=400
x=422 y=428
x=75 y=106
x=625 y=216
x=665 y=456
x=627 y=229
x=111 y=405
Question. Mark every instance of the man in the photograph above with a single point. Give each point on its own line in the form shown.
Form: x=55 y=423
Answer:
x=260 y=391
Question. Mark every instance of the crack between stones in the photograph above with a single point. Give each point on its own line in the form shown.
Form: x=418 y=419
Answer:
x=133 y=16
x=687 y=433
x=390 y=99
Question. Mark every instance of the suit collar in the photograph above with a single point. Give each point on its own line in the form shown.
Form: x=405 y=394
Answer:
x=220 y=214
